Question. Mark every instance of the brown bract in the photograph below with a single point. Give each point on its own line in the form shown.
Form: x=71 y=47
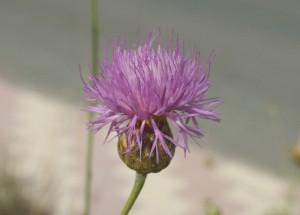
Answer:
x=142 y=162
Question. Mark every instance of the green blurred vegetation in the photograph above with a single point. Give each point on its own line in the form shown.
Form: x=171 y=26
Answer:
x=13 y=200
x=211 y=208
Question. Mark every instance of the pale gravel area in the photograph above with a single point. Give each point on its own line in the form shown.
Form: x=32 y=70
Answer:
x=46 y=144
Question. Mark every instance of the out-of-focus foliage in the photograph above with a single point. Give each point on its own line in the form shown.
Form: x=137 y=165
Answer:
x=13 y=201
x=211 y=208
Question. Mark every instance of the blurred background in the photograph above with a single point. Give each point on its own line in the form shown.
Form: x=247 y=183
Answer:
x=250 y=163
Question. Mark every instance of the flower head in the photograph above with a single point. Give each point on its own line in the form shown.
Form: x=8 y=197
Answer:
x=141 y=86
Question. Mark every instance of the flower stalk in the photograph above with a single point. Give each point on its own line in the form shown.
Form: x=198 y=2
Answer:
x=90 y=136
x=137 y=187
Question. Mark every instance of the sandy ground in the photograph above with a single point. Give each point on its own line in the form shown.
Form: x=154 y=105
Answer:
x=45 y=140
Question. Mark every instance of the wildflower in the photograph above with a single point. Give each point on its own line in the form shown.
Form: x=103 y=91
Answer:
x=140 y=90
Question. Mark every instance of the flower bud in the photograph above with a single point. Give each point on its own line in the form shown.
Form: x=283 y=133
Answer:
x=141 y=159
x=295 y=153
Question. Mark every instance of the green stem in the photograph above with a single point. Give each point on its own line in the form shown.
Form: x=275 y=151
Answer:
x=88 y=171
x=137 y=187
x=94 y=35
x=90 y=136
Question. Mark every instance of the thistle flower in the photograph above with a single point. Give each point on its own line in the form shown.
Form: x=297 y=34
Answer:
x=140 y=90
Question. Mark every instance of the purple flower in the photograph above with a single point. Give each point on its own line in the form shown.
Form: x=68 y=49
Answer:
x=139 y=85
